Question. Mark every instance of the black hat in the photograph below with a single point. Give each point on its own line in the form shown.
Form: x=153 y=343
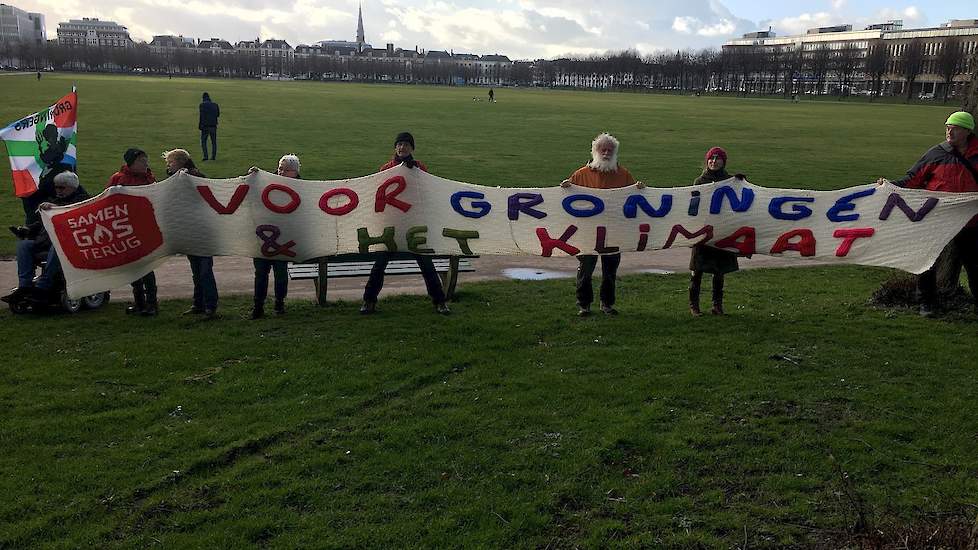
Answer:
x=132 y=154
x=206 y=96
x=405 y=136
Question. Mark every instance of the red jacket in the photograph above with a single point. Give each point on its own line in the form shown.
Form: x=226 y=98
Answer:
x=125 y=176
x=942 y=170
x=395 y=162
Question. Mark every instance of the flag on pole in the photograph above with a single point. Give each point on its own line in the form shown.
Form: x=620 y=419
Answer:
x=40 y=142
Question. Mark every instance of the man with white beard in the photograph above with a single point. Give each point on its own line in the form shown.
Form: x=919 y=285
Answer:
x=603 y=172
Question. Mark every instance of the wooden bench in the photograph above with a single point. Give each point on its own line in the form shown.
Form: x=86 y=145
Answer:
x=359 y=265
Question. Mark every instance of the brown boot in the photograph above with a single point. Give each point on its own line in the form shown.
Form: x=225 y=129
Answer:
x=717 y=295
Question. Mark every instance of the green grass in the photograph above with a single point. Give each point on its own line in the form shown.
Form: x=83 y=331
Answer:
x=510 y=423
x=806 y=418
x=531 y=138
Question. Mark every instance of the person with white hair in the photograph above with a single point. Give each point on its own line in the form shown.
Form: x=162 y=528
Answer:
x=35 y=242
x=288 y=166
x=602 y=172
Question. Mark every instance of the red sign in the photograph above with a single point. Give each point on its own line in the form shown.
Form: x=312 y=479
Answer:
x=110 y=232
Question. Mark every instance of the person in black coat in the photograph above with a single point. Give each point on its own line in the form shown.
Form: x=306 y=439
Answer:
x=209 y=113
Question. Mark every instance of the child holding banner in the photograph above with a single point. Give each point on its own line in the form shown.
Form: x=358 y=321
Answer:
x=706 y=259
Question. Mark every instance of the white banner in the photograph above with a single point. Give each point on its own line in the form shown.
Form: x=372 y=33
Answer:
x=125 y=232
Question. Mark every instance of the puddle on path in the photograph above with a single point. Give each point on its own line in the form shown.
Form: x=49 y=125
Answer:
x=532 y=274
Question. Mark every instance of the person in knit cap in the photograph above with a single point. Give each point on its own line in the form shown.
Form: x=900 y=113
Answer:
x=134 y=172
x=602 y=172
x=706 y=259
x=950 y=166
x=403 y=153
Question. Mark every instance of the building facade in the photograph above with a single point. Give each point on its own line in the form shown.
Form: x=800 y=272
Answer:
x=93 y=33
x=837 y=58
x=17 y=25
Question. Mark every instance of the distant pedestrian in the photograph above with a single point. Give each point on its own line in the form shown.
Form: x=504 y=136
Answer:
x=38 y=75
x=209 y=113
x=492 y=96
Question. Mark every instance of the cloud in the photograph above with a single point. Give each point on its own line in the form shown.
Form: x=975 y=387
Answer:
x=521 y=29
x=912 y=17
x=692 y=25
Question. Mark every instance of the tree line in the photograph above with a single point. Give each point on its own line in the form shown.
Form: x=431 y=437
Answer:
x=747 y=70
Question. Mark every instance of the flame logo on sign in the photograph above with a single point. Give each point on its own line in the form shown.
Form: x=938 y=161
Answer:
x=102 y=234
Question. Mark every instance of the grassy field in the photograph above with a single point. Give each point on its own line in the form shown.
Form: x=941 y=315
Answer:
x=805 y=418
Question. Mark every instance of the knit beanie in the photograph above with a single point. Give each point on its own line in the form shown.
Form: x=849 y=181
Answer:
x=405 y=136
x=962 y=119
x=717 y=152
x=132 y=154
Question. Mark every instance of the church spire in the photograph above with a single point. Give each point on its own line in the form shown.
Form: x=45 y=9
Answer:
x=360 y=38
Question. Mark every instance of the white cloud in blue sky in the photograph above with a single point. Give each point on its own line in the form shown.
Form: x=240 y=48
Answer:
x=522 y=29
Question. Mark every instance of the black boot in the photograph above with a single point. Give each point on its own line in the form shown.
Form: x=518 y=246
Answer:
x=139 y=301
x=258 y=311
x=279 y=307
x=695 y=281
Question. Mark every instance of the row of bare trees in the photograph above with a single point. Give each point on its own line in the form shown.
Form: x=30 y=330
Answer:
x=746 y=70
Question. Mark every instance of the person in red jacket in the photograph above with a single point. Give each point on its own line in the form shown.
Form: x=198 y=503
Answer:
x=950 y=166
x=134 y=172
x=403 y=154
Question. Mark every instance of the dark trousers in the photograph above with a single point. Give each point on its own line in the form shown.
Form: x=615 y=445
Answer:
x=281 y=269
x=144 y=290
x=609 y=270
x=696 y=281
x=205 y=285
x=209 y=131
x=431 y=280
x=966 y=243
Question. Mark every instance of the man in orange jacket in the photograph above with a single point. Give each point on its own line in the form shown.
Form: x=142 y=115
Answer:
x=603 y=172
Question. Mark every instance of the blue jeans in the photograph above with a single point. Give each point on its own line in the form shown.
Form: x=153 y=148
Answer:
x=281 y=269
x=205 y=285
x=25 y=266
x=209 y=131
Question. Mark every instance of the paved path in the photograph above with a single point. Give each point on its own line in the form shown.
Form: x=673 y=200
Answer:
x=236 y=275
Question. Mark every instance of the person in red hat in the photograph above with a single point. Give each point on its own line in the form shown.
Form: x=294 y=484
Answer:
x=706 y=259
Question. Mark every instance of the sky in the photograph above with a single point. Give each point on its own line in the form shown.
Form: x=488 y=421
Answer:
x=521 y=29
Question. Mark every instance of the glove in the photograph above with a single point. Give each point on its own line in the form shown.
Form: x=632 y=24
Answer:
x=565 y=184
x=740 y=176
